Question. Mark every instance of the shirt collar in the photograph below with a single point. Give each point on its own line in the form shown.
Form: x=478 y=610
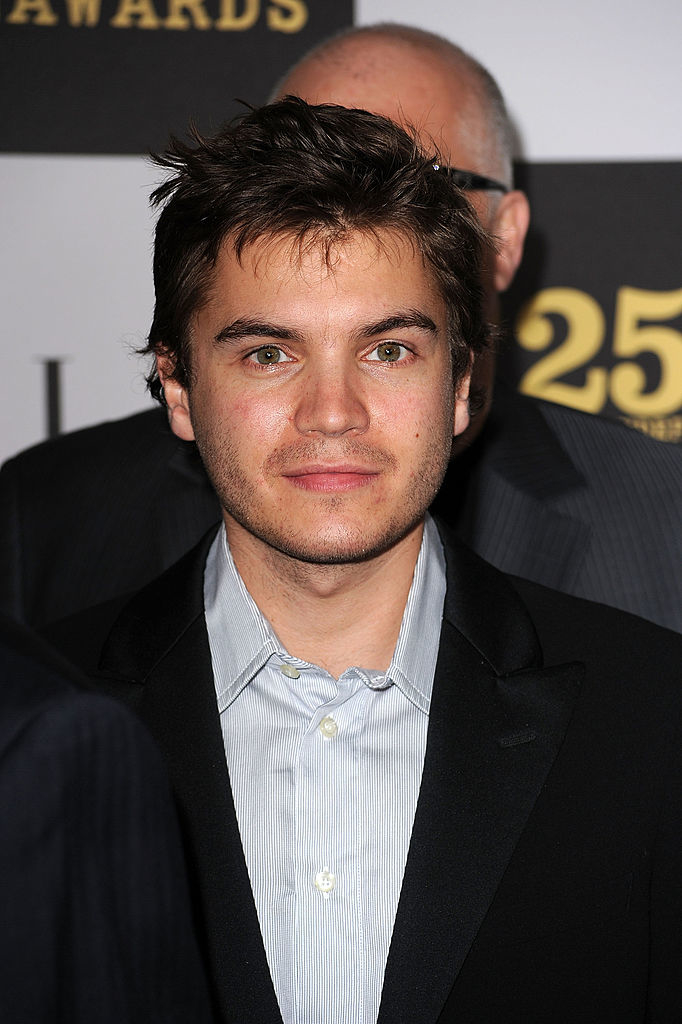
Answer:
x=242 y=640
x=413 y=665
x=240 y=637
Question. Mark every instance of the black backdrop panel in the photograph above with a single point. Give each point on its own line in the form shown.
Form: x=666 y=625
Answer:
x=116 y=76
x=603 y=270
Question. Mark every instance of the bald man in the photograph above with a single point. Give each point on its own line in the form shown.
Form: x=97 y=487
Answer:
x=580 y=504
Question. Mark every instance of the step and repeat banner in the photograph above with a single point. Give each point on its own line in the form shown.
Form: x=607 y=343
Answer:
x=114 y=76
x=88 y=86
x=596 y=308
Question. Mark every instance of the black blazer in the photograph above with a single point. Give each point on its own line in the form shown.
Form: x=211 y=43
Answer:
x=95 y=920
x=543 y=876
x=97 y=513
x=577 y=503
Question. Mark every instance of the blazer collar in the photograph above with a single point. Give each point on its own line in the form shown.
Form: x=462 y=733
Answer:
x=157 y=617
x=482 y=605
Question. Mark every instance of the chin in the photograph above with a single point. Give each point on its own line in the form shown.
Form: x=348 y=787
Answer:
x=337 y=544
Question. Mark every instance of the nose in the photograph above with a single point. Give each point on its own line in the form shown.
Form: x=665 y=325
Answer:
x=332 y=401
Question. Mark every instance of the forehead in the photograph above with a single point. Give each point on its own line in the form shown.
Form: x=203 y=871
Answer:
x=358 y=270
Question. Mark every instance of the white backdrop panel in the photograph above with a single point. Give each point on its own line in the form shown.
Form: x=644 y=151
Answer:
x=75 y=284
x=584 y=80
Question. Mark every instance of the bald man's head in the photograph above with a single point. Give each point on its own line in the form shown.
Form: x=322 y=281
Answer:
x=424 y=81
x=418 y=78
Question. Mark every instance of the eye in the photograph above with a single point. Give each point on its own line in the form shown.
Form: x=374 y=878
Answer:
x=388 y=352
x=268 y=355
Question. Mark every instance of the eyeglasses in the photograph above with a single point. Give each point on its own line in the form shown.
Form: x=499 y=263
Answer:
x=469 y=181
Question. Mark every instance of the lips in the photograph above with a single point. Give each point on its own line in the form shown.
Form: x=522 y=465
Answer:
x=316 y=464
x=342 y=477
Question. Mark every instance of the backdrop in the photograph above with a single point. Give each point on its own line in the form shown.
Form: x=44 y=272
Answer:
x=89 y=85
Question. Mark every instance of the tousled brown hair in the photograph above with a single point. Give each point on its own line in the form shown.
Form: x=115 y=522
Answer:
x=314 y=174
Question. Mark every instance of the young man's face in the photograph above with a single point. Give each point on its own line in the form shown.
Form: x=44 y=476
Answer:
x=322 y=400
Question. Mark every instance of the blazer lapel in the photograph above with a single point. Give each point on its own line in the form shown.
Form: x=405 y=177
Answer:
x=186 y=504
x=497 y=721
x=159 y=650
x=508 y=513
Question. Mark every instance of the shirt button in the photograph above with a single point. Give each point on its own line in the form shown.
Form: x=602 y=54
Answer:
x=328 y=727
x=325 y=880
x=289 y=671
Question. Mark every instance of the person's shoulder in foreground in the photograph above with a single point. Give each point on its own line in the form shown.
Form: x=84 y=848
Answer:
x=95 y=513
x=96 y=923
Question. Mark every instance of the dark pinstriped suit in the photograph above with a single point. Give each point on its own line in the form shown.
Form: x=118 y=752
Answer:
x=577 y=503
x=95 y=923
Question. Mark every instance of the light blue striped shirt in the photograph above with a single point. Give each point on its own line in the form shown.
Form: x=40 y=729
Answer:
x=325 y=776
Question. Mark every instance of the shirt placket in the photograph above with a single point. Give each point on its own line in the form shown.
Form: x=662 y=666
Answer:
x=330 y=839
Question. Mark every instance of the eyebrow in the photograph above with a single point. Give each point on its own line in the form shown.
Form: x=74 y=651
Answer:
x=248 y=328
x=244 y=327
x=408 y=318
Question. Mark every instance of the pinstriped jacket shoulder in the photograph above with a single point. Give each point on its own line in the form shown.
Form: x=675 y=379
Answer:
x=577 y=503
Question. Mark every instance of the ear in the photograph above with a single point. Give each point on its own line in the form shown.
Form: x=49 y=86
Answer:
x=462 y=416
x=509 y=228
x=175 y=394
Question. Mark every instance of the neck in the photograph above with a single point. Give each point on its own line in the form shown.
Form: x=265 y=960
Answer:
x=333 y=616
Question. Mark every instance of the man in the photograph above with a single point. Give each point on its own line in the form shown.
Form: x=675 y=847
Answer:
x=577 y=503
x=96 y=923
x=412 y=788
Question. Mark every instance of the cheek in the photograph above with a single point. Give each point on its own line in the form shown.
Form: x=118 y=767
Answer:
x=255 y=419
x=422 y=417
x=249 y=425
x=435 y=407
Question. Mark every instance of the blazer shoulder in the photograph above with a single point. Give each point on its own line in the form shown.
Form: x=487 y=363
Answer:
x=80 y=638
x=580 y=431
x=144 y=621
x=120 y=439
x=572 y=628
x=124 y=500
x=42 y=690
x=80 y=469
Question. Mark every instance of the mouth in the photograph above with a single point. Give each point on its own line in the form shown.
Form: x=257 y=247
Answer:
x=331 y=478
